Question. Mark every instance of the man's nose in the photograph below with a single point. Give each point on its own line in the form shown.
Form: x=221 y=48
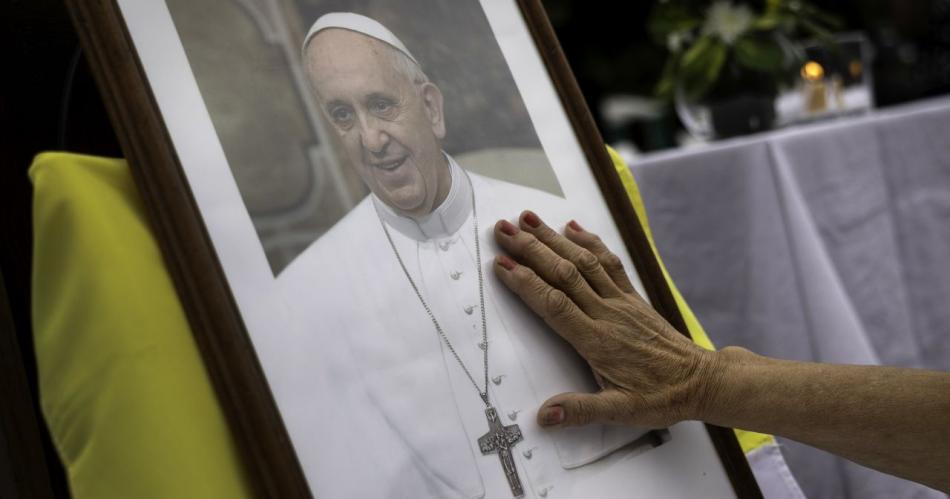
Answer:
x=373 y=137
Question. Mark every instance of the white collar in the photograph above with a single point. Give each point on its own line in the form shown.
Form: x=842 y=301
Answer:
x=444 y=221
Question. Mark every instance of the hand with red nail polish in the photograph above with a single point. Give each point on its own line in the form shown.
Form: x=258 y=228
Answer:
x=649 y=372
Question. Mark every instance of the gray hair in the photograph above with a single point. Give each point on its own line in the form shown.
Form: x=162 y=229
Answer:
x=408 y=67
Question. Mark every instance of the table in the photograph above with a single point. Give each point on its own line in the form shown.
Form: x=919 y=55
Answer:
x=828 y=242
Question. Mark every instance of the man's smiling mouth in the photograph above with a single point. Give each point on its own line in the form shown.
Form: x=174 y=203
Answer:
x=389 y=165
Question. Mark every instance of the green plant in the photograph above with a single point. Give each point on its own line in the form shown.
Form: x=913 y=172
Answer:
x=709 y=40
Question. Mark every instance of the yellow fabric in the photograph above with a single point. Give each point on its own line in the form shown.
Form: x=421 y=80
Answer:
x=749 y=440
x=122 y=386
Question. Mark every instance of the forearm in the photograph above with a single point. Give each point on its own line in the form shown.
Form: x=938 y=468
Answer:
x=895 y=420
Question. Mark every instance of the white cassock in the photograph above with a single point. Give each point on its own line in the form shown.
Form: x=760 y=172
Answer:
x=382 y=408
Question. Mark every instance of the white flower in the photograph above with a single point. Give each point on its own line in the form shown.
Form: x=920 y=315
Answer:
x=727 y=21
x=677 y=40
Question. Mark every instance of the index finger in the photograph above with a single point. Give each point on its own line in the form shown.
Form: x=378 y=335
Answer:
x=548 y=302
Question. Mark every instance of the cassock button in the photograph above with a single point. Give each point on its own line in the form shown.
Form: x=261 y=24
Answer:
x=544 y=492
x=483 y=345
x=444 y=245
x=455 y=275
x=513 y=415
x=497 y=379
x=469 y=309
x=528 y=453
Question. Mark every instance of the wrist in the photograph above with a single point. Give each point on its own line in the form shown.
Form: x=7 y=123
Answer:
x=719 y=381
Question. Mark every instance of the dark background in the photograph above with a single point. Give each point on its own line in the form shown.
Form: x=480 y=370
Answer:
x=611 y=53
x=48 y=101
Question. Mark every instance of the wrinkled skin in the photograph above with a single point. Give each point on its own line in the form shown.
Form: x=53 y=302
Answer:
x=390 y=127
x=650 y=374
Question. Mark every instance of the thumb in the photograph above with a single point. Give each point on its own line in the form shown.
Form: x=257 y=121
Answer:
x=578 y=409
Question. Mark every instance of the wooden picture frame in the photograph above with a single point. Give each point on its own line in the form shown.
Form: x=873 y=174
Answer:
x=212 y=310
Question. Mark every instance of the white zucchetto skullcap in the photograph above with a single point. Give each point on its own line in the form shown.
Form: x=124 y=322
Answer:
x=359 y=24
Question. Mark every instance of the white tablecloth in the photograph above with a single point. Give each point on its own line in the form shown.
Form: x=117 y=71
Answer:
x=828 y=243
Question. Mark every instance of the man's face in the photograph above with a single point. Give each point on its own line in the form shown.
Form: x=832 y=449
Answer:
x=390 y=127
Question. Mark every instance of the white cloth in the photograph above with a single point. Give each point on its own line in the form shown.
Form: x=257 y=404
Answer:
x=833 y=238
x=771 y=472
x=408 y=408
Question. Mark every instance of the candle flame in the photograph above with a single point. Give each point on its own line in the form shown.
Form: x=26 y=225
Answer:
x=812 y=71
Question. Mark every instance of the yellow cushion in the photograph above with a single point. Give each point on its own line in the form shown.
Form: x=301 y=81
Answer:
x=122 y=386
x=748 y=440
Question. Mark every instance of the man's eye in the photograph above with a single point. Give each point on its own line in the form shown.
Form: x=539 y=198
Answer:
x=380 y=106
x=341 y=115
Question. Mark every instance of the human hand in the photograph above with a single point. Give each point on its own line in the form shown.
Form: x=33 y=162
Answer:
x=650 y=374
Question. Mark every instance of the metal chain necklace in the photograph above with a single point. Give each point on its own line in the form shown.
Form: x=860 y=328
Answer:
x=499 y=438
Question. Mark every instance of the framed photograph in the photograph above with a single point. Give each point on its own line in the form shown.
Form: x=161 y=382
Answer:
x=324 y=176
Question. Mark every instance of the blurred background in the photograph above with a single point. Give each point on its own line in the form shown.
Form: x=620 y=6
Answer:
x=792 y=155
x=897 y=50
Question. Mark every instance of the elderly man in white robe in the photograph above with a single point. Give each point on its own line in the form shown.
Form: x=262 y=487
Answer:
x=420 y=342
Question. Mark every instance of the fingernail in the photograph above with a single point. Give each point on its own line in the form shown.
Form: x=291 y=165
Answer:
x=531 y=219
x=508 y=228
x=575 y=226
x=505 y=262
x=553 y=415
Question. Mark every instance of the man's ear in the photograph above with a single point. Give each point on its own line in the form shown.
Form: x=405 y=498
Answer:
x=432 y=100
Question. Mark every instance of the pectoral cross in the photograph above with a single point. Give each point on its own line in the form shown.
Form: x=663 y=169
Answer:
x=501 y=439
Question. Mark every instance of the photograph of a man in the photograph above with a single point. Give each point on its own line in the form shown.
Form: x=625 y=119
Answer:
x=388 y=115
x=425 y=353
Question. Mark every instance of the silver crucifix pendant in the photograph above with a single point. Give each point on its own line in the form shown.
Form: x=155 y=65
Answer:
x=501 y=439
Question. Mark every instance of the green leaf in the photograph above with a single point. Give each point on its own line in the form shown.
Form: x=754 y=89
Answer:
x=701 y=64
x=821 y=34
x=771 y=21
x=698 y=51
x=808 y=17
x=670 y=18
x=819 y=16
x=667 y=83
x=759 y=54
